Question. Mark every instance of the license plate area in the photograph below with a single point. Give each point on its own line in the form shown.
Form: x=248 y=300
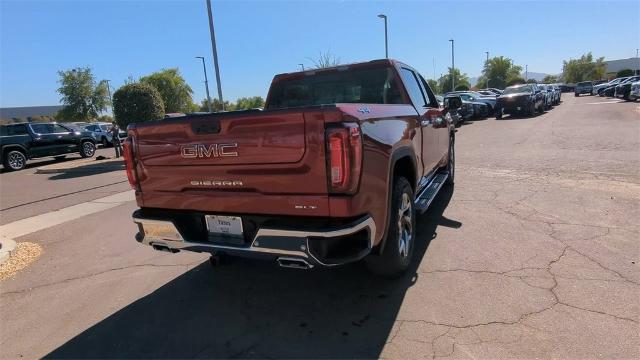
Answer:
x=225 y=229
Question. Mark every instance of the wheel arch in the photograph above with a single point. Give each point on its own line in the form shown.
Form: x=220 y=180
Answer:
x=401 y=163
x=10 y=147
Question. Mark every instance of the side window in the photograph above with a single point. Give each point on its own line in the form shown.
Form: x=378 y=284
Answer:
x=15 y=130
x=59 y=129
x=413 y=87
x=42 y=128
x=431 y=98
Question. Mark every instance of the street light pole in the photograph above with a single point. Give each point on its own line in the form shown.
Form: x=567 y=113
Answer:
x=206 y=82
x=638 y=61
x=109 y=92
x=215 y=54
x=526 y=73
x=386 y=39
x=487 y=66
x=453 y=67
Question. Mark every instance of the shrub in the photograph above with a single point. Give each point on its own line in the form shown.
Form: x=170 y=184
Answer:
x=624 y=73
x=462 y=88
x=137 y=102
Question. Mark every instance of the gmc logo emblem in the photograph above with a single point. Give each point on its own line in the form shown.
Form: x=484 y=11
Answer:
x=213 y=150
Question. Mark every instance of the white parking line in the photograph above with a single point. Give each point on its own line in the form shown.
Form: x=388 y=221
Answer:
x=39 y=222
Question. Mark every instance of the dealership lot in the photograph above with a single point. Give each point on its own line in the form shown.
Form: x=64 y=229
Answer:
x=533 y=255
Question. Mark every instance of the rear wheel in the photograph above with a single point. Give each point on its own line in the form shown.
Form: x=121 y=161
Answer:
x=105 y=142
x=398 y=247
x=499 y=113
x=451 y=164
x=14 y=160
x=87 y=149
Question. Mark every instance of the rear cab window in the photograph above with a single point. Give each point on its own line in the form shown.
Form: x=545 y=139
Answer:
x=357 y=85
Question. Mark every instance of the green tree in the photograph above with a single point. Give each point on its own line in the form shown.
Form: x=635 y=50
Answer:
x=460 y=80
x=137 y=102
x=82 y=97
x=433 y=84
x=462 y=88
x=499 y=71
x=105 y=118
x=532 y=81
x=216 y=105
x=624 y=73
x=515 y=81
x=174 y=90
x=252 y=102
x=585 y=68
x=550 y=79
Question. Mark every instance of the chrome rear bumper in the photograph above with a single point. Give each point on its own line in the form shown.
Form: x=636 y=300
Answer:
x=274 y=243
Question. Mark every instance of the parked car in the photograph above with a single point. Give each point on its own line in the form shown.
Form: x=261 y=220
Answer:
x=517 y=99
x=557 y=93
x=23 y=141
x=327 y=174
x=598 y=89
x=584 y=87
x=487 y=93
x=623 y=89
x=472 y=96
x=567 y=87
x=634 y=93
x=498 y=92
x=548 y=96
x=102 y=133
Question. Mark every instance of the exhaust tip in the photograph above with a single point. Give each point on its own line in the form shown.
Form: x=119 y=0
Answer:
x=294 y=263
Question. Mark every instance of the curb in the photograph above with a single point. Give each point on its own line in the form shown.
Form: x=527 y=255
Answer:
x=77 y=167
x=6 y=247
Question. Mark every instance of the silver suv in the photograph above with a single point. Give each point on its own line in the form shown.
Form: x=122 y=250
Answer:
x=585 y=87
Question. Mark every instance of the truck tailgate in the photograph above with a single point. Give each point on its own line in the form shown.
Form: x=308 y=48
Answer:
x=250 y=156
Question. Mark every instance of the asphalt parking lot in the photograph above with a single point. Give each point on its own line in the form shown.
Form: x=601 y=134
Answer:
x=533 y=255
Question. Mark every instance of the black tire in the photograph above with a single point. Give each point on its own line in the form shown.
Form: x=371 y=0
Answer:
x=60 y=157
x=398 y=248
x=499 y=113
x=451 y=164
x=87 y=149
x=105 y=142
x=576 y=94
x=14 y=160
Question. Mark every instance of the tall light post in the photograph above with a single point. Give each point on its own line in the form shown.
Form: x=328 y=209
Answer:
x=487 y=66
x=206 y=82
x=638 y=61
x=526 y=73
x=109 y=92
x=453 y=67
x=215 y=54
x=386 y=39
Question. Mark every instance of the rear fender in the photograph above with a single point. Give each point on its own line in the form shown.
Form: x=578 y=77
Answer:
x=400 y=153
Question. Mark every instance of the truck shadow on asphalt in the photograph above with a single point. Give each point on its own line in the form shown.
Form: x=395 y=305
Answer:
x=255 y=309
x=90 y=169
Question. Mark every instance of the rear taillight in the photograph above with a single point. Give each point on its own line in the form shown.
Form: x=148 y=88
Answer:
x=344 y=161
x=127 y=150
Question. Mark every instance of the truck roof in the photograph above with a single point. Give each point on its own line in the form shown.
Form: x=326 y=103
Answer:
x=341 y=67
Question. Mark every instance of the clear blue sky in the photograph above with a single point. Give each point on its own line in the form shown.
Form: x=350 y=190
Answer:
x=258 y=39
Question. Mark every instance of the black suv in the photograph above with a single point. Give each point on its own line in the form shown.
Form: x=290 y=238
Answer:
x=23 y=141
x=526 y=98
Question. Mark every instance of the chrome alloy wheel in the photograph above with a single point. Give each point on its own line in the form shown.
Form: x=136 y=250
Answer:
x=16 y=160
x=88 y=148
x=405 y=225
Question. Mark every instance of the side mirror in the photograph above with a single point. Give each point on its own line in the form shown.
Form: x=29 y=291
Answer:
x=452 y=103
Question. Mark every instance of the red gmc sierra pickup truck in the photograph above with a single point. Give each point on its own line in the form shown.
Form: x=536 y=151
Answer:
x=332 y=170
